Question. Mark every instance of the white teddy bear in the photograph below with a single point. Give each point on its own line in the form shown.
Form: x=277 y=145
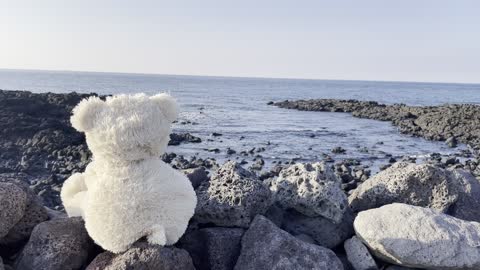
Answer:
x=127 y=192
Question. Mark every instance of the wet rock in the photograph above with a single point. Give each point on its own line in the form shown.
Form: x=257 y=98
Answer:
x=168 y=157
x=311 y=189
x=324 y=231
x=338 y=150
x=421 y=185
x=265 y=246
x=142 y=256
x=358 y=255
x=258 y=165
x=196 y=176
x=451 y=142
x=232 y=197
x=178 y=138
x=56 y=244
x=13 y=202
x=414 y=236
x=230 y=151
x=213 y=248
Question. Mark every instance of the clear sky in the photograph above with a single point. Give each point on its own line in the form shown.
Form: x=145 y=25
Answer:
x=402 y=40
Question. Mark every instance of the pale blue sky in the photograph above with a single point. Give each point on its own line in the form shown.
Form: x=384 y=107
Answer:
x=402 y=40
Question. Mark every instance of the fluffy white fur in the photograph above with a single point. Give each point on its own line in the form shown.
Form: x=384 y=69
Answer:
x=127 y=191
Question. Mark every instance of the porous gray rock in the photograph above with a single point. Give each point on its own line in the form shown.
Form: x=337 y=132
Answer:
x=56 y=244
x=142 y=256
x=233 y=197
x=358 y=255
x=265 y=246
x=311 y=189
x=13 y=202
x=421 y=185
x=419 y=237
x=324 y=231
x=33 y=214
x=215 y=248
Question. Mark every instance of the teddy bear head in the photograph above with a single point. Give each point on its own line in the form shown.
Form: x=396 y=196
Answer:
x=126 y=127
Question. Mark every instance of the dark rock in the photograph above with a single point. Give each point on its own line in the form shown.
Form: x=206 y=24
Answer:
x=142 y=256
x=230 y=151
x=265 y=246
x=168 y=157
x=467 y=206
x=176 y=139
x=56 y=244
x=196 y=176
x=325 y=232
x=338 y=150
x=232 y=197
x=452 y=142
x=213 y=248
x=215 y=134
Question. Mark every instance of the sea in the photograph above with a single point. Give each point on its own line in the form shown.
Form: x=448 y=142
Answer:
x=237 y=109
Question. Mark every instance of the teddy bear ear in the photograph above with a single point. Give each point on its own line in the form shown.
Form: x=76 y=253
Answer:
x=168 y=105
x=86 y=113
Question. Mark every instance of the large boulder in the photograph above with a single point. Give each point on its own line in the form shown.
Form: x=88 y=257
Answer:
x=214 y=248
x=358 y=255
x=56 y=244
x=421 y=185
x=233 y=197
x=13 y=202
x=33 y=214
x=142 y=256
x=265 y=246
x=420 y=237
x=324 y=231
x=310 y=189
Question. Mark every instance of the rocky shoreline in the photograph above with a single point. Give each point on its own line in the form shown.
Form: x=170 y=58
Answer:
x=291 y=216
x=450 y=122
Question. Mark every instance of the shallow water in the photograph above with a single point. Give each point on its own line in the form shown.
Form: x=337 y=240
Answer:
x=237 y=107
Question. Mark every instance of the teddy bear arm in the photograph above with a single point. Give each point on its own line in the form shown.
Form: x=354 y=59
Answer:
x=73 y=193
